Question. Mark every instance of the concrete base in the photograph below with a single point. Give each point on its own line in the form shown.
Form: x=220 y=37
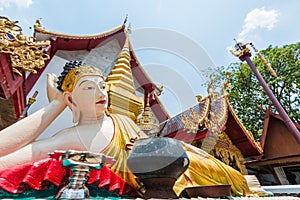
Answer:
x=283 y=189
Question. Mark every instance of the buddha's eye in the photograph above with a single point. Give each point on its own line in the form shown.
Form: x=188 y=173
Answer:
x=89 y=88
x=102 y=86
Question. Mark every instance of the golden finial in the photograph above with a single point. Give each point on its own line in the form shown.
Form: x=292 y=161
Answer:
x=38 y=24
x=31 y=100
x=241 y=50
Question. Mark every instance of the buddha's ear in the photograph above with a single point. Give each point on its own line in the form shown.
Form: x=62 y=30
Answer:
x=69 y=101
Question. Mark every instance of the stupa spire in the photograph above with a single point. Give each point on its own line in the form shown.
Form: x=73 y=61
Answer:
x=121 y=90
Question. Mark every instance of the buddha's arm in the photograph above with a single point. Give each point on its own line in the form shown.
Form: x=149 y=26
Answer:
x=38 y=150
x=28 y=129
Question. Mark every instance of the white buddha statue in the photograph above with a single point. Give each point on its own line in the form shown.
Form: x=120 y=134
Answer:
x=83 y=90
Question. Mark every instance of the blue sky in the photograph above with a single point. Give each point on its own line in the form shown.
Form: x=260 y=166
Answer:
x=211 y=25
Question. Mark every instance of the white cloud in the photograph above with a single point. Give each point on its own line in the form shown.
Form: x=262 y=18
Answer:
x=18 y=3
x=258 y=18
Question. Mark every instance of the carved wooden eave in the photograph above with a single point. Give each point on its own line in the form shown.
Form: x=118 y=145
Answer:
x=240 y=136
x=12 y=98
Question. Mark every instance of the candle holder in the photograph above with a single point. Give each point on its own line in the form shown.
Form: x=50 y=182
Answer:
x=81 y=162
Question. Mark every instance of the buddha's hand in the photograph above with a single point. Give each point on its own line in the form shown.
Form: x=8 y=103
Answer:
x=52 y=92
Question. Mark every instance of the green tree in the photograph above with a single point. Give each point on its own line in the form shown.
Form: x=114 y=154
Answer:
x=246 y=93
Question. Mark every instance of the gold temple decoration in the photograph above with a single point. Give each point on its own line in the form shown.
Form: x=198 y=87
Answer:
x=147 y=122
x=229 y=153
x=213 y=115
x=121 y=89
x=218 y=109
x=76 y=73
x=240 y=53
x=224 y=150
x=194 y=120
x=218 y=115
x=26 y=54
x=263 y=59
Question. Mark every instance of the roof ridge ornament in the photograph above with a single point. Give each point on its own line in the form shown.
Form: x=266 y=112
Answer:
x=129 y=28
x=38 y=25
x=125 y=20
x=192 y=120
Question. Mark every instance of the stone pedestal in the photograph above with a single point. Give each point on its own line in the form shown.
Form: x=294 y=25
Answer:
x=159 y=188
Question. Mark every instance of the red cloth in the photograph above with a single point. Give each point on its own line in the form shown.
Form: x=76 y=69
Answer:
x=41 y=174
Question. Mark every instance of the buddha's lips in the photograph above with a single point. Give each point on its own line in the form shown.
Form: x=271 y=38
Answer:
x=101 y=102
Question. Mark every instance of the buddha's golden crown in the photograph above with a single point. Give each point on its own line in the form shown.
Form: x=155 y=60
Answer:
x=76 y=73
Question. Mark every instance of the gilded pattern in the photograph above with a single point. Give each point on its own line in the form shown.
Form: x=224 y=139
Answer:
x=26 y=54
x=194 y=120
x=232 y=156
x=147 y=122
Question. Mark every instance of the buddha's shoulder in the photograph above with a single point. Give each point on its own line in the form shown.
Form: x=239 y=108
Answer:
x=67 y=131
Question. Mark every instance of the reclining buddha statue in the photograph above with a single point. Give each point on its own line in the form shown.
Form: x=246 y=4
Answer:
x=25 y=163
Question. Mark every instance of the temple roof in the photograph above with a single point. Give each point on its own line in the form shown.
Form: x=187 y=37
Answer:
x=74 y=46
x=279 y=144
x=40 y=31
x=177 y=127
x=103 y=49
x=240 y=136
x=268 y=122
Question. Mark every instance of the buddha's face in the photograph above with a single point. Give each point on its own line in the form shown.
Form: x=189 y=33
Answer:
x=89 y=96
